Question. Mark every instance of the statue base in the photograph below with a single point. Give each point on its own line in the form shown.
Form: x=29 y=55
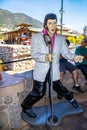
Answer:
x=44 y=116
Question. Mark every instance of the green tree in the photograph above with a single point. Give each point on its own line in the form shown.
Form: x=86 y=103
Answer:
x=79 y=38
x=72 y=39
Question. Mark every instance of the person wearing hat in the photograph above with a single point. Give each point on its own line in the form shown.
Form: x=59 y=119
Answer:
x=82 y=50
x=40 y=53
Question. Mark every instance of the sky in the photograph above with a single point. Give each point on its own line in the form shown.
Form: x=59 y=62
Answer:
x=74 y=16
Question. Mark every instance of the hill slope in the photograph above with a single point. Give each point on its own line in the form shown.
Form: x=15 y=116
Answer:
x=9 y=19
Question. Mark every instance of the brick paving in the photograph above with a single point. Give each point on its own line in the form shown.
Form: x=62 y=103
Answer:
x=71 y=122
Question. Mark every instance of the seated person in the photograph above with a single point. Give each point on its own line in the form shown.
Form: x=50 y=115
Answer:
x=82 y=50
x=66 y=65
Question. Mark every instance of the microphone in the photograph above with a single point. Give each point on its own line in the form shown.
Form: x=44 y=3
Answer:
x=47 y=40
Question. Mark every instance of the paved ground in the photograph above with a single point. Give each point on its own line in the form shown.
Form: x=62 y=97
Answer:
x=71 y=122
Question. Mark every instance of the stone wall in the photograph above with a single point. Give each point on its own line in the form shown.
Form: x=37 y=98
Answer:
x=10 y=87
x=15 y=53
x=9 y=112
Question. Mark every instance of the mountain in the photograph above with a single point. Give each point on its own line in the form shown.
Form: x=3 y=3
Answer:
x=9 y=19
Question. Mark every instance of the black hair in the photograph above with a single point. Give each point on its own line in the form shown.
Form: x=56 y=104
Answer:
x=49 y=16
x=68 y=42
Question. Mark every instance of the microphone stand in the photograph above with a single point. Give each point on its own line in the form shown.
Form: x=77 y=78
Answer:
x=52 y=119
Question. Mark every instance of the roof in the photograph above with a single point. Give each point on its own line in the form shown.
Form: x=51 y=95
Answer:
x=23 y=24
x=35 y=29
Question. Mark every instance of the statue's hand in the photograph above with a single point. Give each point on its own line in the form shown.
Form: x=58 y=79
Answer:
x=49 y=57
x=78 y=58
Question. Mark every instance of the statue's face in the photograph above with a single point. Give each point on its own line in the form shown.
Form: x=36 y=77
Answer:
x=51 y=26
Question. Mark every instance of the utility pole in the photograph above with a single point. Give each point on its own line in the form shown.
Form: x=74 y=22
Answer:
x=61 y=19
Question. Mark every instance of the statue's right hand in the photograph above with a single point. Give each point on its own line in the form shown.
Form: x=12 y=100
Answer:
x=49 y=57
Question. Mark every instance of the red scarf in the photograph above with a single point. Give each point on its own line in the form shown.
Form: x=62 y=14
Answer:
x=52 y=38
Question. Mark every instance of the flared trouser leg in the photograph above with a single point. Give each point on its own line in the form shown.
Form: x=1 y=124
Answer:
x=38 y=91
x=62 y=90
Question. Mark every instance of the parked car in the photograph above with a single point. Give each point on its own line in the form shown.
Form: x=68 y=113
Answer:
x=27 y=42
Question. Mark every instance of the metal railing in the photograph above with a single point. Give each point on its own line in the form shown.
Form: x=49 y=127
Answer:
x=16 y=61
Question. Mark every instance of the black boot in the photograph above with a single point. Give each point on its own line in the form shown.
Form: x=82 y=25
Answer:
x=70 y=98
x=74 y=103
x=30 y=113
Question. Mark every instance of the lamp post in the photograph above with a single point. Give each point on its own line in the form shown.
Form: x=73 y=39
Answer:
x=61 y=19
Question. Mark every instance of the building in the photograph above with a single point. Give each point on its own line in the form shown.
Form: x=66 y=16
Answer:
x=20 y=34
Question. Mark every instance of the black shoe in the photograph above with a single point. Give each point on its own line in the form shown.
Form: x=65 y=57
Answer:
x=77 y=89
x=30 y=113
x=74 y=103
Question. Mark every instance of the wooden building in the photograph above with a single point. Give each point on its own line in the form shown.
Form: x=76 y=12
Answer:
x=21 y=33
